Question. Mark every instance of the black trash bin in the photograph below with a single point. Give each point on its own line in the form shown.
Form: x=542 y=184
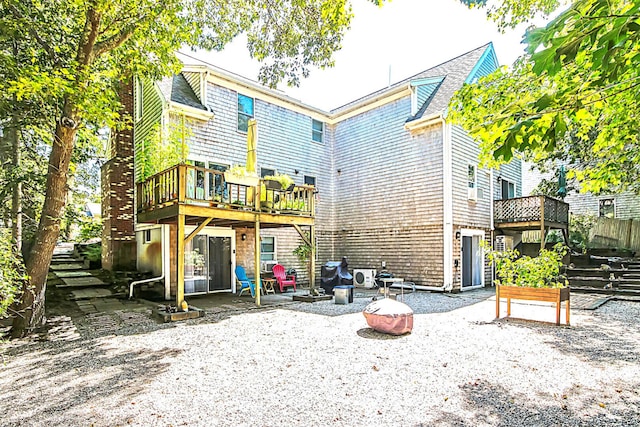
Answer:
x=335 y=274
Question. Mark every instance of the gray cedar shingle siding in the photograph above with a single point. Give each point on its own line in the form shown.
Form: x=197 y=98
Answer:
x=467 y=213
x=389 y=193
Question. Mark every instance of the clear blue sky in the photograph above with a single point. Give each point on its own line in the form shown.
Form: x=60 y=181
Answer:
x=407 y=36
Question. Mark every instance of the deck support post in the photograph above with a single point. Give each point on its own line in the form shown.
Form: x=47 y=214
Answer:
x=258 y=282
x=312 y=260
x=180 y=261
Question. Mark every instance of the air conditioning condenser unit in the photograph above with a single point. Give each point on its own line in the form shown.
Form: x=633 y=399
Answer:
x=503 y=243
x=364 y=277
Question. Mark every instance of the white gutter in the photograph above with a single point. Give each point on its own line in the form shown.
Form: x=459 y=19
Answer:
x=165 y=263
x=192 y=112
x=492 y=224
x=447 y=189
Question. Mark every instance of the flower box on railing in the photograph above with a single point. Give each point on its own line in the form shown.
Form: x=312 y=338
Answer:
x=248 y=181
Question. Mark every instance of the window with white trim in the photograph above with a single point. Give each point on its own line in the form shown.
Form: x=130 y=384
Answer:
x=472 y=188
x=267 y=248
x=607 y=208
x=310 y=180
x=245 y=112
x=317 y=130
x=508 y=189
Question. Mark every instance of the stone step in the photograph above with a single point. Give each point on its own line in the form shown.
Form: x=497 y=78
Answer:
x=82 y=282
x=83 y=294
x=612 y=291
x=67 y=266
x=58 y=259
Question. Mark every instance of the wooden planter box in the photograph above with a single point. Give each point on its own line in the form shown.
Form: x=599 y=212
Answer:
x=556 y=295
x=249 y=181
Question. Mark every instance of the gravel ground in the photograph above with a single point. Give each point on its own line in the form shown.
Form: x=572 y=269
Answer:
x=319 y=365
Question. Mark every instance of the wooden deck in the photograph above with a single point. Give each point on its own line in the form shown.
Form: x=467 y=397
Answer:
x=531 y=213
x=198 y=193
x=190 y=195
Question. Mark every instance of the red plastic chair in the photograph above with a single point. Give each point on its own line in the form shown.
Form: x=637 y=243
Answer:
x=283 y=280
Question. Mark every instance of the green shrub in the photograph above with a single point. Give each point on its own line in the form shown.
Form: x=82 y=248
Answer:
x=93 y=252
x=542 y=271
x=12 y=272
x=90 y=228
x=579 y=228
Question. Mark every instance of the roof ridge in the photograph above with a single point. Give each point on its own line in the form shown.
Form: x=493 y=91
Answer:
x=407 y=79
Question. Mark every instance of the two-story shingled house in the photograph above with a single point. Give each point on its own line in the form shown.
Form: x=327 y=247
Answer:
x=383 y=179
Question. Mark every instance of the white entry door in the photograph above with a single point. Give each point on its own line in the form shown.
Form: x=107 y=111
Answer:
x=209 y=261
x=472 y=259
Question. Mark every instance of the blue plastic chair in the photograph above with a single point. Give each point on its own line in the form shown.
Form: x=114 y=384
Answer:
x=246 y=283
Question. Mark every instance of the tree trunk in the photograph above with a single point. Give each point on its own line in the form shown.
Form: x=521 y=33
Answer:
x=31 y=307
x=16 y=189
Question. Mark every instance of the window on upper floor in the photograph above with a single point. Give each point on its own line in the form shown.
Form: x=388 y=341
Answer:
x=472 y=187
x=267 y=248
x=317 y=130
x=245 y=112
x=139 y=110
x=310 y=180
x=607 y=208
x=267 y=172
x=508 y=189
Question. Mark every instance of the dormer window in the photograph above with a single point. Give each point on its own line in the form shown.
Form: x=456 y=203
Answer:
x=422 y=90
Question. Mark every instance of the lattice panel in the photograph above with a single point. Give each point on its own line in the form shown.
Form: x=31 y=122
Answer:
x=517 y=210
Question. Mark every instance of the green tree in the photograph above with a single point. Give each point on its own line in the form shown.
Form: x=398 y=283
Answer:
x=574 y=96
x=79 y=51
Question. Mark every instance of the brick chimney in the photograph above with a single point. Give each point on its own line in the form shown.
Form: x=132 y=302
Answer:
x=118 y=201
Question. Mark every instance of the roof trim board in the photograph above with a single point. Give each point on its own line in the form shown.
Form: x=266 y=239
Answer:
x=489 y=53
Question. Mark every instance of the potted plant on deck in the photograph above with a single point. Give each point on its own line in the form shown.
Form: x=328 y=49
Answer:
x=531 y=278
x=279 y=182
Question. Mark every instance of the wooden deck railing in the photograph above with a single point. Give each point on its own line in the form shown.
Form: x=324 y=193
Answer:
x=189 y=184
x=531 y=209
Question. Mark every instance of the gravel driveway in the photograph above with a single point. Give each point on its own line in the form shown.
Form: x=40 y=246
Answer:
x=320 y=365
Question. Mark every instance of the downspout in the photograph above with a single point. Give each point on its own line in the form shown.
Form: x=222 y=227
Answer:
x=447 y=189
x=491 y=223
x=155 y=279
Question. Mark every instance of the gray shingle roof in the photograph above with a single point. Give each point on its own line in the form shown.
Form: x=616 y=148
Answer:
x=177 y=89
x=455 y=71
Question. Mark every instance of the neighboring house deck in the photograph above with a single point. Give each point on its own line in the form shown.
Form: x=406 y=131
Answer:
x=531 y=213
